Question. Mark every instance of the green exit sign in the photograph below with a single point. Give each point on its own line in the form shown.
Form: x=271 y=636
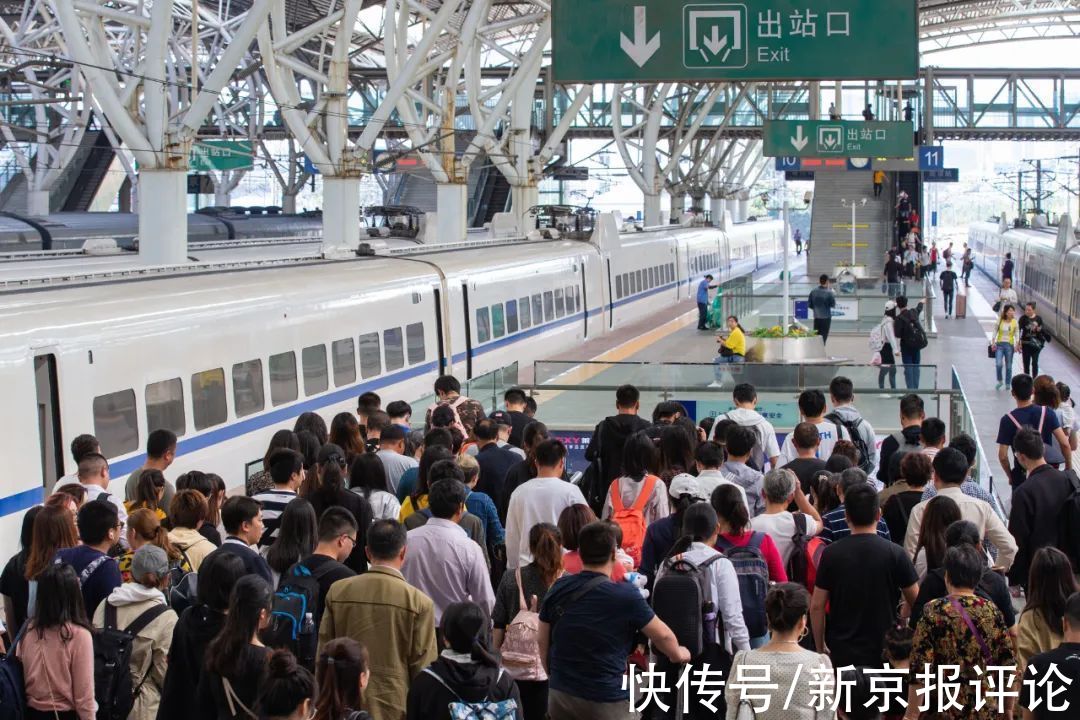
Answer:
x=209 y=155
x=662 y=40
x=838 y=138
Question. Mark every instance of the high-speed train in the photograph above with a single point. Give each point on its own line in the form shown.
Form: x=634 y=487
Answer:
x=70 y=230
x=226 y=356
x=1046 y=270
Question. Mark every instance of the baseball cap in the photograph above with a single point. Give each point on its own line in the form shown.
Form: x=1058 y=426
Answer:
x=686 y=484
x=149 y=559
x=501 y=417
x=890 y=306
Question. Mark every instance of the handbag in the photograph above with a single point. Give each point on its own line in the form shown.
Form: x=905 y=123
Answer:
x=997 y=306
x=725 y=351
x=991 y=351
x=876 y=360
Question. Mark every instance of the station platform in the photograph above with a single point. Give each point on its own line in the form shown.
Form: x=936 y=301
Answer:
x=668 y=358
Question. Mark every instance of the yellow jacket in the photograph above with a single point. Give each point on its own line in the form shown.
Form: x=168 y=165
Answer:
x=736 y=342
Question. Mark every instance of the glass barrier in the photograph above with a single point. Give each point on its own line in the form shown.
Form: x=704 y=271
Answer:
x=962 y=421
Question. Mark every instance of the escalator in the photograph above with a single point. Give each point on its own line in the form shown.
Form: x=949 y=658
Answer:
x=492 y=196
x=88 y=178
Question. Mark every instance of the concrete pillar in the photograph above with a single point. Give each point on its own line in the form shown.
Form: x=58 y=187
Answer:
x=523 y=197
x=716 y=210
x=744 y=208
x=288 y=203
x=341 y=215
x=222 y=196
x=451 y=205
x=163 y=221
x=37 y=203
x=652 y=209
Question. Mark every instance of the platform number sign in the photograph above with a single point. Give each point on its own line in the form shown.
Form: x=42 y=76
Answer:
x=931 y=157
x=788 y=164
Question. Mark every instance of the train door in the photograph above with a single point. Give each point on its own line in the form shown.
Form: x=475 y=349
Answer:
x=48 y=404
x=468 y=330
x=611 y=296
x=440 y=336
x=584 y=299
x=678 y=283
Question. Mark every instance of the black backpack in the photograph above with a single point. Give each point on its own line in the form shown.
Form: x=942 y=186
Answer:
x=113 y=689
x=1069 y=521
x=912 y=336
x=799 y=560
x=292 y=624
x=12 y=686
x=183 y=584
x=866 y=463
x=679 y=598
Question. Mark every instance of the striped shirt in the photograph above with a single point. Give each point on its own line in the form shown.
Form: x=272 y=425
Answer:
x=835 y=527
x=273 y=504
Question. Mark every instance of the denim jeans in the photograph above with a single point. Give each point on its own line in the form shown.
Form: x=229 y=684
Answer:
x=911 y=360
x=720 y=361
x=949 y=295
x=1003 y=358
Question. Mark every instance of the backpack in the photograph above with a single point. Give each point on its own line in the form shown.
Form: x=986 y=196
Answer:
x=632 y=519
x=453 y=405
x=482 y=710
x=798 y=562
x=183 y=584
x=814 y=550
x=914 y=336
x=757 y=454
x=12 y=686
x=680 y=597
x=292 y=624
x=877 y=337
x=1069 y=521
x=866 y=462
x=113 y=687
x=903 y=447
x=753 y=574
x=521 y=644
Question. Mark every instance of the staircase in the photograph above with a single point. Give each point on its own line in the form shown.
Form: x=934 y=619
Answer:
x=416 y=189
x=87 y=181
x=830 y=232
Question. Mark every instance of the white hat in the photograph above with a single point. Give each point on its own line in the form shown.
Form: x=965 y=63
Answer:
x=890 y=306
x=686 y=484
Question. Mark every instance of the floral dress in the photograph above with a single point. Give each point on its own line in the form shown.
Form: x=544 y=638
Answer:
x=942 y=638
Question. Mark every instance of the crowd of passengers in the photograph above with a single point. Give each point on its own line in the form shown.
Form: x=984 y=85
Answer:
x=370 y=570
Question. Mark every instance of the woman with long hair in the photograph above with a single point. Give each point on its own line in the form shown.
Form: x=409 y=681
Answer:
x=54 y=530
x=261 y=481
x=529 y=583
x=297 y=536
x=57 y=650
x=236 y=659
x=941 y=512
x=326 y=488
x=309 y=448
x=683 y=491
x=418 y=498
x=217 y=499
x=148 y=493
x=144 y=528
x=676 y=452
x=346 y=433
x=696 y=545
x=467 y=670
x=288 y=689
x=313 y=423
x=367 y=478
x=571 y=521
x=638 y=485
x=14 y=586
x=342 y=674
x=1050 y=584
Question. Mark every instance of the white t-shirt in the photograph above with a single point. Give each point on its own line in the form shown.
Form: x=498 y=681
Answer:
x=781 y=528
x=828 y=433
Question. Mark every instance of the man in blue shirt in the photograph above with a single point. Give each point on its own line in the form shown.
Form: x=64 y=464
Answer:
x=587 y=629
x=835 y=523
x=99 y=574
x=1026 y=412
x=703 y=301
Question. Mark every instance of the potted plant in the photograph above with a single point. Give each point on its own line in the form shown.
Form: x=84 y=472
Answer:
x=773 y=345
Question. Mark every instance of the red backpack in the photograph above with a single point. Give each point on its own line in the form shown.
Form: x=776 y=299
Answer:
x=631 y=520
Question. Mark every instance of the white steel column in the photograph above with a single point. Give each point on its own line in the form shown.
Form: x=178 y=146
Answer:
x=452 y=202
x=158 y=244
x=341 y=215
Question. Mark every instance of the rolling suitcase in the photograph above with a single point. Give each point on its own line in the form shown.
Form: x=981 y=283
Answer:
x=961 y=305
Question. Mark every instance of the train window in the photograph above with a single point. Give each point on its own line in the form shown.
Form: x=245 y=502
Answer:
x=549 y=306
x=653 y=282
x=165 y=406
x=569 y=299
x=511 y=316
x=283 y=378
x=671 y=272
x=560 y=304
x=313 y=360
x=115 y=423
x=395 y=353
x=618 y=287
x=498 y=321
x=577 y=299
x=370 y=355
x=537 y=309
x=414 y=341
x=526 y=316
x=483 y=325
x=247 y=384
x=628 y=287
x=208 y=398
x=640 y=282
x=344 y=353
